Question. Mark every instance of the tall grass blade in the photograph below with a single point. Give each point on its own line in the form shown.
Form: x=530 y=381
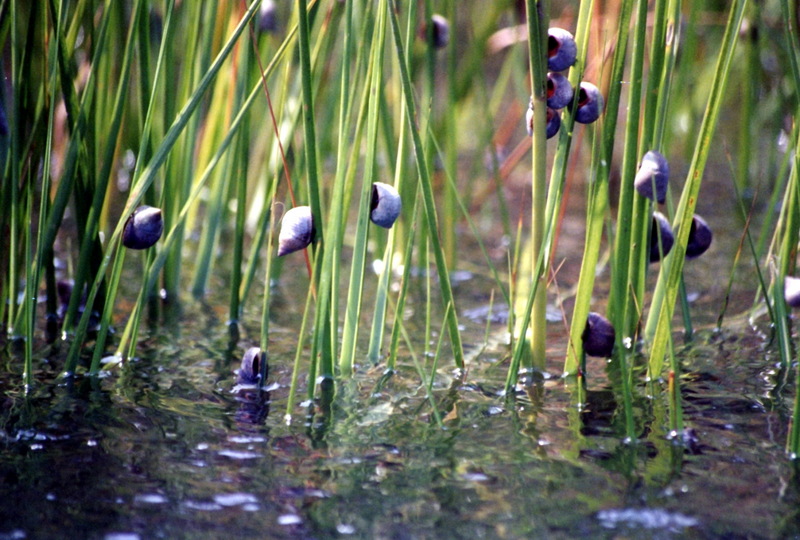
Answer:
x=659 y=323
x=427 y=191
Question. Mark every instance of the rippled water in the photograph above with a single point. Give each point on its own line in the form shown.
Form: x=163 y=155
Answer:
x=168 y=446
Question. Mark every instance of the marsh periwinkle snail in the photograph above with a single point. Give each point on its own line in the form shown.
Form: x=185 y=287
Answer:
x=440 y=31
x=553 y=121
x=791 y=291
x=561 y=49
x=652 y=178
x=297 y=230
x=268 y=16
x=700 y=237
x=661 y=229
x=590 y=103
x=598 y=336
x=385 y=205
x=250 y=369
x=143 y=228
x=559 y=91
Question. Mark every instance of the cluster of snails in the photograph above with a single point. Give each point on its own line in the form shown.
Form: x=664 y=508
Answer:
x=297 y=232
x=562 y=52
x=297 y=226
x=651 y=182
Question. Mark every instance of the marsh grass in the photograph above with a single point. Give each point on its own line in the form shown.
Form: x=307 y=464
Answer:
x=237 y=125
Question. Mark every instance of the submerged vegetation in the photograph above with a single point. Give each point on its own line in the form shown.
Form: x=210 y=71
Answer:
x=339 y=135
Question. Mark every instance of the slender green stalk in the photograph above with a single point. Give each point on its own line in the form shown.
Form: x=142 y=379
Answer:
x=793 y=441
x=350 y=331
x=401 y=296
x=427 y=191
x=148 y=175
x=31 y=295
x=176 y=231
x=659 y=321
x=627 y=248
x=537 y=16
x=597 y=204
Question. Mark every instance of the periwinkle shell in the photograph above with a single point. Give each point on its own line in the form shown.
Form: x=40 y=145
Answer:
x=700 y=237
x=268 y=16
x=660 y=229
x=385 y=206
x=590 y=103
x=143 y=228
x=553 y=122
x=561 y=49
x=297 y=230
x=598 y=336
x=250 y=369
x=441 y=31
x=652 y=177
x=791 y=291
x=559 y=91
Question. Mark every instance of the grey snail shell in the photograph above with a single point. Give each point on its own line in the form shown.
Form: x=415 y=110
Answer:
x=598 y=336
x=297 y=230
x=561 y=49
x=143 y=228
x=653 y=176
x=250 y=369
x=385 y=206
x=700 y=237
x=663 y=230
x=791 y=291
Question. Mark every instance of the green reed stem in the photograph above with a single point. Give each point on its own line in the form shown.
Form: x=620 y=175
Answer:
x=427 y=191
x=176 y=230
x=597 y=204
x=103 y=180
x=356 y=287
x=31 y=295
x=298 y=355
x=240 y=170
x=793 y=441
x=537 y=17
x=401 y=296
x=628 y=251
x=659 y=321
x=143 y=183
